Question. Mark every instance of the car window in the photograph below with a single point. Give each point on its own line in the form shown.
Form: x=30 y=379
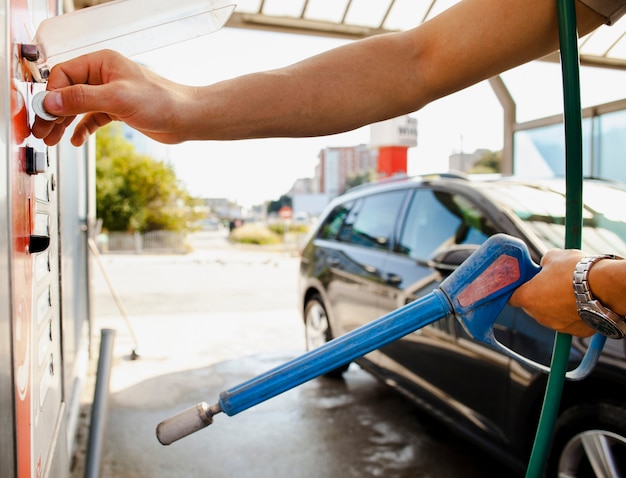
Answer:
x=334 y=220
x=346 y=229
x=372 y=222
x=542 y=208
x=438 y=219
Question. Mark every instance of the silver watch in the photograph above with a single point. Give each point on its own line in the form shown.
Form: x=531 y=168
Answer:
x=600 y=318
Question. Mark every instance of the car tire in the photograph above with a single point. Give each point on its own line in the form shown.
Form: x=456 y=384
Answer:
x=587 y=436
x=317 y=330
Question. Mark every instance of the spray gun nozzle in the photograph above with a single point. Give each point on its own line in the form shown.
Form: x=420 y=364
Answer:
x=186 y=422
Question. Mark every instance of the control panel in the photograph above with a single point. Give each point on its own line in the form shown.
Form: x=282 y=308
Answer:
x=42 y=335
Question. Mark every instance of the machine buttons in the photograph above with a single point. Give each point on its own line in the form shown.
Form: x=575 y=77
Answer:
x=36 y=161
x=29 y=52
x=38 y=243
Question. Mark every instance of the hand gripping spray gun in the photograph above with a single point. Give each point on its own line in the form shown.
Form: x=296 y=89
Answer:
x=474 y=293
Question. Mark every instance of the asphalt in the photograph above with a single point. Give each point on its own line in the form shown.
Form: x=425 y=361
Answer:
x=207 y=321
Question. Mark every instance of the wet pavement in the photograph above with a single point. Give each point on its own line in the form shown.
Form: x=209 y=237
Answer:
x=210 y=320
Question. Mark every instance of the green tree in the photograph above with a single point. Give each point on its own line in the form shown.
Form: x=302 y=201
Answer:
x=490 y=162
x=274 y=206
x=358 y=179
x=137 y=193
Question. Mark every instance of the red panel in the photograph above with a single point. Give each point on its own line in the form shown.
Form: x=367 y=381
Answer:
x=23 y=203
x=392 y=160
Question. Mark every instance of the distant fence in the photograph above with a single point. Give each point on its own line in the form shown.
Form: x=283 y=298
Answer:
x=150 y=242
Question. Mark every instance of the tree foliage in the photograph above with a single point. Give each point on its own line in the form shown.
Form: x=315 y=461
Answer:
x=274 y=206
x=135 y=192
x=359 y=178
x=490 y=162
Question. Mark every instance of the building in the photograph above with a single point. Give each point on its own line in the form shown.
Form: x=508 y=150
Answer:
x=304 y=186
x=336 y=165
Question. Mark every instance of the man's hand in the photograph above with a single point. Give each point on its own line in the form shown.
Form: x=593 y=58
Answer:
x=549 y=296
x=110 y=88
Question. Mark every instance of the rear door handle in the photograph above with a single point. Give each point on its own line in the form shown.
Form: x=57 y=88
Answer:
x=371 y=269
x=332 y=262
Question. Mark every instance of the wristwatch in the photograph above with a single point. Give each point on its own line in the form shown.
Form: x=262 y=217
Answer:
x=600 y=318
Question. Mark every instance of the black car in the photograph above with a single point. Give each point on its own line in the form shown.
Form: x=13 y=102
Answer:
x=381 y=246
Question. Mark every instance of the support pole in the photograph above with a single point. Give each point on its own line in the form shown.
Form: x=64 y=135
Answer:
x=99 y=406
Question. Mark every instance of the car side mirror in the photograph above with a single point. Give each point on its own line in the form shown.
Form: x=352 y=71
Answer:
x=445 y=261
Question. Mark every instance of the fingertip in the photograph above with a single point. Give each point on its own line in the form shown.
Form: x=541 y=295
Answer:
x=78 y=139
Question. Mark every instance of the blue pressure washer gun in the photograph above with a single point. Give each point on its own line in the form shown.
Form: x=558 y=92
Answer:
x=474 y=293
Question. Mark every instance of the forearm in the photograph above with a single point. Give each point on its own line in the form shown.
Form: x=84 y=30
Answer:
x=334 y=92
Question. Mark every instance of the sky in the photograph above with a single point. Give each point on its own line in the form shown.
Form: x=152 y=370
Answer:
x=251 y=172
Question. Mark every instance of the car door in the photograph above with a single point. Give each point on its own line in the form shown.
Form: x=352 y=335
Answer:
x=440 y=363
x=356 y=257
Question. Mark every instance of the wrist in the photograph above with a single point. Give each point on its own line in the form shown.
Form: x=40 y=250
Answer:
x=598 y=315
x=606 y=282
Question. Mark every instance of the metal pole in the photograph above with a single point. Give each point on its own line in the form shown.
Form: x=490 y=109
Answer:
x=99 y=406
x=118 y=301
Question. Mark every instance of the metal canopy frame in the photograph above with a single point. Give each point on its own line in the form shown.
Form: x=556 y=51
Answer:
x=604 y=48
x=352 y=19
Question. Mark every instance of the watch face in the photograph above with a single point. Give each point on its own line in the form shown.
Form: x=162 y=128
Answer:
x=601 y=324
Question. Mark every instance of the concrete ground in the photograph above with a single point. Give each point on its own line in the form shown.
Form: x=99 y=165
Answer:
x=207 y=321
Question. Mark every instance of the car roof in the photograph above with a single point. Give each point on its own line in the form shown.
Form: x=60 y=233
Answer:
x=461 y=181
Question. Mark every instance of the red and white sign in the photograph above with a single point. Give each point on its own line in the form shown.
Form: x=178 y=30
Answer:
x=285 y=212
x=400 y=131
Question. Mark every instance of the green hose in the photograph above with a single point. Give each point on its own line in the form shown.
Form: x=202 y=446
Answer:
x=568 y=37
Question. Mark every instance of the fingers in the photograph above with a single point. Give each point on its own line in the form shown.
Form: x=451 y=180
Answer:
x=90 y=83
x=87 y=84
x=88 y=125
x=69 y=102
x=51 y=131
x=94 y=68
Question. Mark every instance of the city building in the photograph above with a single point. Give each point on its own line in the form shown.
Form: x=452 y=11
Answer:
x=337 y=165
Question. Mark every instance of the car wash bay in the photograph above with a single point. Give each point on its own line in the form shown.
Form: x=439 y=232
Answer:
x=209 y=320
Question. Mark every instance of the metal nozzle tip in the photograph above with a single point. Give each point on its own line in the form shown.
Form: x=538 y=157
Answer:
x=186 y=422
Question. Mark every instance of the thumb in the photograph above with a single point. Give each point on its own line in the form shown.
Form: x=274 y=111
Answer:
x=53 y=103
x=75 y=100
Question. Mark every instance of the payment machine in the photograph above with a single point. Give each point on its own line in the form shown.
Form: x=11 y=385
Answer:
x=44 y=278
x=46 y=216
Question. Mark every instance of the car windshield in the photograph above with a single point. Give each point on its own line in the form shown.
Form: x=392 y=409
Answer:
x=542 y=209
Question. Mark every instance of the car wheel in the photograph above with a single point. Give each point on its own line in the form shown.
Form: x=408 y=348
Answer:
x=590 y=441
x=317 y=330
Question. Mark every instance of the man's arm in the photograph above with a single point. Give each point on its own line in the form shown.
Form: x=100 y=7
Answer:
x=354 y=85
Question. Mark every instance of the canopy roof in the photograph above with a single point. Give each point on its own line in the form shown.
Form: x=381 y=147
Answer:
x=606 y=47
